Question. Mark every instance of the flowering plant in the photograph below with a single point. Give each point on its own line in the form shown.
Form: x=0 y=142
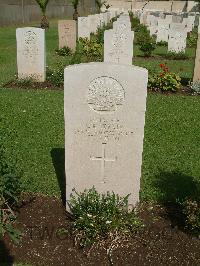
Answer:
x=165 y=80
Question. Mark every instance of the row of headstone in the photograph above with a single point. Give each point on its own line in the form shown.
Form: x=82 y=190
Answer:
x=90 y=24
x=118 y=42
x=170 y=28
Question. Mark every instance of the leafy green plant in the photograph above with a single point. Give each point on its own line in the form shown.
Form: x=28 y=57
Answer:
x=43 y=6
x=142 y=34
x=162 y=43
x=191 y=210
x=56 y=75
x=164 y=81
x=176 y=56
x=10 y=189
x=135 y=22
x=91 y=49
x=148 y=47
x=195 y=86
x=192 y=39
x=65 y=51
x=98 y=215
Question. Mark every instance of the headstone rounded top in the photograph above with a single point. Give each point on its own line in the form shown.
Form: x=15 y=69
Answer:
x=105 y=94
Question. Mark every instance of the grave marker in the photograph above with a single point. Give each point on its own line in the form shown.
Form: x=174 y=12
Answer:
x=104 y=127
x=31 y=58
x=67 y=34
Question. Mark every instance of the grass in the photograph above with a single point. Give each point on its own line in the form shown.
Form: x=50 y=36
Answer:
x=172 y=131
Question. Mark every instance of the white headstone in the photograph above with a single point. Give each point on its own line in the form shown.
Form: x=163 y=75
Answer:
x=118 y=46
x=67 y=34
x=163 y=30
x=31 y=57
x=177 y=38
x=83 y=27
x=197 y=59
x=94 y=22
x=104 y=128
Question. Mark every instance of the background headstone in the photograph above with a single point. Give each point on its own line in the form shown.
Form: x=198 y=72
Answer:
x=67 y=34
x=197 y=59
x=31 y=57
x=83 y=27
x=104 y=127
x=177 y=38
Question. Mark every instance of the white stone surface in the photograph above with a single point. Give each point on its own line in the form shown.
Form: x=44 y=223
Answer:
x=104 y=128
x=118 y=46
x=163 y=30
x=31 y=57
x=177 y=38
x=67 y=34
x=94 y=22
x=83 y=27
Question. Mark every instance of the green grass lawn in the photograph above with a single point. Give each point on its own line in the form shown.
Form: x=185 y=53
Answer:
x=171 y=155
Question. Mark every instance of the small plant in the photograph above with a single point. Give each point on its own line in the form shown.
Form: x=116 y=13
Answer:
x=56 y=75
x=162 y=43
x=164 y=81
x=98 y=215
x=192 y=39
x=100 y=4
x=65 y=51
x=148 y=47
x=10 y=189
x=195 y=86
x=176 y=56
x=91 y=49
x=191 y=210
x=24 y=83
x=43 y=6
x=135 y=22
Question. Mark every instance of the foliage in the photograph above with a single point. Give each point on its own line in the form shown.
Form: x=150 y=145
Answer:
x=191 y=209
x=164 y=81
x=100 y=33
x=91 y=49
x=148 y=47
x=162 y=43
x=192 y=39
x=98 y=215
x=135 y=22
x=75 y=4
x=10 y=188
x=65 y=51
x=196 y=86
x=43 y=5
x=176 y=56
x=56 y=74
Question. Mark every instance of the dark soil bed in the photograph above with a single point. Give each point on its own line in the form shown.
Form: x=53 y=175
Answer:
x=42 y=219
x=47 y=85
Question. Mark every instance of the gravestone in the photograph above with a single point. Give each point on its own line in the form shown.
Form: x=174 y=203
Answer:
x=104 y=128
x=196 y=75
x=67 y=34
x=118 y=46
x=163 y=30
x=177 y=38
x=31 y=57
x=94 y=22
x=83 y=27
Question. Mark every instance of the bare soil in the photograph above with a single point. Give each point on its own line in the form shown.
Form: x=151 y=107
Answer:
x=47 y=239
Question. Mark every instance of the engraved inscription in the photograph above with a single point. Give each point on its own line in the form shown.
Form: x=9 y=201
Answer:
x=30 y=46
x=104 y=129
x=103 y=159
x=105 y=94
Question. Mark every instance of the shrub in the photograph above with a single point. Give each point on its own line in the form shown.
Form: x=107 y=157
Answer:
x=91 y=49
x=162 y=43
x=191 y=210
x=192 y=39
x=135 y=22
x=148 y=47
x=56 y=75
x=164 y=81
x=65 y=51
x=142 y=35
x=99 y=215
x=10 y=188
x=195 y=86
x=176 y=56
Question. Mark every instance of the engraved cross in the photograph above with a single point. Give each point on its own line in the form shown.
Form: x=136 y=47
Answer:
x=103 y=161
